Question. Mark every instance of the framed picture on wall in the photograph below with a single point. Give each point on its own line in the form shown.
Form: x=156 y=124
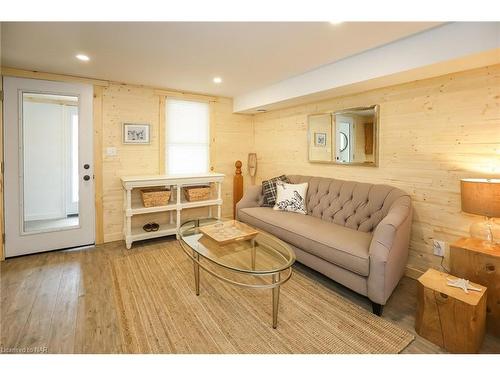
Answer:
x=135 y=133
x=320 y=139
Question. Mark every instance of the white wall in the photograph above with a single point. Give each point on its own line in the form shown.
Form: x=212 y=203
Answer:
x=397 y=62
x=45 y=160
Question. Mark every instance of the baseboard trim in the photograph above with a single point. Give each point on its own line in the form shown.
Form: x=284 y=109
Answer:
x=413 y=273
x=113 y=237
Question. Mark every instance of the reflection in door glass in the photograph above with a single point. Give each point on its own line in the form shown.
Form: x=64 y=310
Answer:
x=50 y=162
x=343 y=138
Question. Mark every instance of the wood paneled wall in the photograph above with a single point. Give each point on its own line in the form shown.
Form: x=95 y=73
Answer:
x=432 y=133
x=2 y=255
x=232 y=139
x=123 y=103
x=231 y=135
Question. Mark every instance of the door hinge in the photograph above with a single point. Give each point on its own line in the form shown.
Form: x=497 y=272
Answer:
x=3 y=238
x=1 y=95
x=1 y=168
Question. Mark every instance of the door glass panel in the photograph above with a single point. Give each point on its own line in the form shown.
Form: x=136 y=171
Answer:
x=49 y=170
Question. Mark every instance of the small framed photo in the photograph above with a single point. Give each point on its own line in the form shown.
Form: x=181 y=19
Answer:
x=135 y=133
x=320 y=139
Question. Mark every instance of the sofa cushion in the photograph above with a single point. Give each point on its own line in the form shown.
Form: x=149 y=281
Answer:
x=291 y=197
x=269 y=190
x=336 y=244
x=354 y=205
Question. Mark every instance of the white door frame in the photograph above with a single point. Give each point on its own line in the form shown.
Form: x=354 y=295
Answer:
x=16 y=241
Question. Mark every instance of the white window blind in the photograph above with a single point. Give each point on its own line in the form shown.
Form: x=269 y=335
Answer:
x=187 y=137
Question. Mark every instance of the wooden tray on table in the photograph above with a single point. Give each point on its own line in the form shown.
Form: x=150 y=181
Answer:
x=229 y=231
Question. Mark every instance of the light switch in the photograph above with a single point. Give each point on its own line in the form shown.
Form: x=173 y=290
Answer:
x=111 y=151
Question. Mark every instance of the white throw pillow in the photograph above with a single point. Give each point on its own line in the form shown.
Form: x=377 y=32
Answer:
x=291 y=197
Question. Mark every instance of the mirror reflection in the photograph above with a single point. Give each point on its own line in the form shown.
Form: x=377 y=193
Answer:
x=354 y=136
x=350 y=137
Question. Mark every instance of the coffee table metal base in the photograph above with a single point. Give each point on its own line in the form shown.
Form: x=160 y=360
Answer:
x=277 y=281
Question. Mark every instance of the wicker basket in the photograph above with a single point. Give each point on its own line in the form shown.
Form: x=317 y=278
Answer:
x=155 y=197
x=197 y=193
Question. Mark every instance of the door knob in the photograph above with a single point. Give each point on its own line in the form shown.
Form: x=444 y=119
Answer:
x=86 y=166
x=86 y=177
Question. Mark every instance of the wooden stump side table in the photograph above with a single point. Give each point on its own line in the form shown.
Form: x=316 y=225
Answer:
x=448 y=316
x=479 y=261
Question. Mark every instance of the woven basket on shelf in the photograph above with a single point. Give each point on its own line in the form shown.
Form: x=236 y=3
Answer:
x=155 y=197
x=197 y=193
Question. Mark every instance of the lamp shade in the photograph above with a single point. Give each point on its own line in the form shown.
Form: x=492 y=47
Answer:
x=481 y=196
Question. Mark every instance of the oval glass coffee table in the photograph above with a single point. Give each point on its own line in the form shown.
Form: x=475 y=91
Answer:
x=260 y=262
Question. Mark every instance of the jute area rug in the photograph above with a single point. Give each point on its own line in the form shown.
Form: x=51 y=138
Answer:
x=160 y=313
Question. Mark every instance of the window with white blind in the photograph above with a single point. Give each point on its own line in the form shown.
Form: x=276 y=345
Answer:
x=187 y=137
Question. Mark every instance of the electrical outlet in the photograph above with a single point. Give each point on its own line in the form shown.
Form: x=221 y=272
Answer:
x=439 y=247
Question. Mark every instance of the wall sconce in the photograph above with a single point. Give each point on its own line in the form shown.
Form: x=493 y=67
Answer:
x=252 y=164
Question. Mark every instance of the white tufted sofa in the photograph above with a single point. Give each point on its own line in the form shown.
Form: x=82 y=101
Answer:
x=355 y=233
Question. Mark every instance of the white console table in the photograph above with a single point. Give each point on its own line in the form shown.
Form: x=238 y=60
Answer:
x=133 y=204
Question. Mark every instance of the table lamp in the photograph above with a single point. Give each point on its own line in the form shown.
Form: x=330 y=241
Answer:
x=481 y=196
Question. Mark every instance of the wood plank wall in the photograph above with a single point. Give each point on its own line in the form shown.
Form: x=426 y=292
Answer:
x=2 y=255
x=432 y=133
x=232 y=138
x=123 y=103
x=115 y=103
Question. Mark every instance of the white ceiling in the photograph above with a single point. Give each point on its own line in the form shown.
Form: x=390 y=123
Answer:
x=187 y=55
x=442 y=50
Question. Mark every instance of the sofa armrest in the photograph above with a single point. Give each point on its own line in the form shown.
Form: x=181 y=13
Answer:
x=251 y=198
x=389 y=251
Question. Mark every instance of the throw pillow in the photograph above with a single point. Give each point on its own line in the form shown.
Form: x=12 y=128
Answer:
x=291 y=197
x=269 y=190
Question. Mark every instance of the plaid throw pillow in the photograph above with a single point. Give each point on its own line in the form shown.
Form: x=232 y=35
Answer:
x=269 y=190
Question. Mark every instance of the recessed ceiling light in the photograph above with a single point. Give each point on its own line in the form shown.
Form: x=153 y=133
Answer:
x=335 y=22
x=217 y=79
x=82 y=57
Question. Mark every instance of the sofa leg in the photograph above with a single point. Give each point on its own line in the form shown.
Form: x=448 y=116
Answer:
x=377 y=308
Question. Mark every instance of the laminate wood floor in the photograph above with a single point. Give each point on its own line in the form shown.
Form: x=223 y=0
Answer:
x=63 y=302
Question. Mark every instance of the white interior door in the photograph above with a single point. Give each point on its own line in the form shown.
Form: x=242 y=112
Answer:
x=344 y=139
x=49 y=182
